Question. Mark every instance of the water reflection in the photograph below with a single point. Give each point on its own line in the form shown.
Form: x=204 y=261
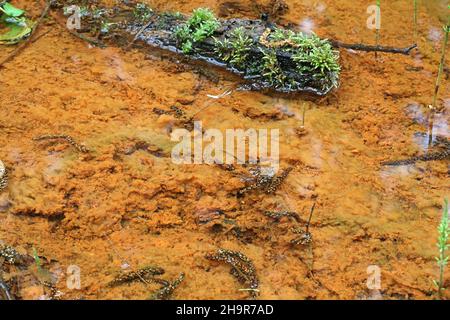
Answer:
x=435 y=34
x=437 y=124
x=307 y=26
x=321 y=7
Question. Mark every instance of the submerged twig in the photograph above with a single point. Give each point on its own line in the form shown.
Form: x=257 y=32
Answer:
x=242 y=268
x=435 y=156
x=304 y=115
x=144 y=274
x=174 y=110
x=28 y=41
x=305 y=236
x=269 y=183
x=369 y=48
x=138 y=34
x=94 y=42
x=167 y=290
x=432 y=156
x=3 y=176
x=280 y=214
x=79 y=147
x=310 y=217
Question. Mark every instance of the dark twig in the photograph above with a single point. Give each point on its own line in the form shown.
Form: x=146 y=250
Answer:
x=79 y=147
x=3 y=176
x=143 y=274
x=168 y=288
x=138 y=34
x=28 y=41
x=310 y=217
x=305 y=237
x=368 y=48
x=42 y=34
x=89 y=40
x=241 y=267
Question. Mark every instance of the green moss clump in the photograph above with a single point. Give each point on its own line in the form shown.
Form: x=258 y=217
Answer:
x=318 y=57
x=314 y=59
x=313 y=56
x=201 y=25
x=236 y=49
x=270 y=68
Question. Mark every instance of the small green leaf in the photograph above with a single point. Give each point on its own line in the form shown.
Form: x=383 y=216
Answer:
x=11 y=11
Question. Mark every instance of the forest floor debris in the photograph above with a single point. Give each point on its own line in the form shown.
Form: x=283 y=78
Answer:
x=3 y=176
x=266 y=180
x=168 y=289
x=241 y=267
x=146 y=274
x=79 y=147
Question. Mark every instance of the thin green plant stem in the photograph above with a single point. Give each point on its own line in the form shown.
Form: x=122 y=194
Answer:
x=377 y=34
x=442 y=259
x=37 y=260
x=441 y=65
x=416 y=12
x=433 y=106
x=304 y=115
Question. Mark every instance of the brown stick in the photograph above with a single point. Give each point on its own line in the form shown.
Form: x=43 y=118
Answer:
x=310 y=217
x=28 y=41
x=367 y=48
x=89 y=40
x=138 y=34
x=42 y=34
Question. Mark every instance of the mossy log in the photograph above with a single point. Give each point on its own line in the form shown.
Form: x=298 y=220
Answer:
x=291 y=79
x=264 y=54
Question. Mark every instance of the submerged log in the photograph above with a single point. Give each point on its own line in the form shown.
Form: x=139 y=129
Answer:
x=263 y=67
x=264 y=54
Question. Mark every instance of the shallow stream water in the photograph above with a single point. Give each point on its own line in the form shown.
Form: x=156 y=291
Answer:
x=122 y=207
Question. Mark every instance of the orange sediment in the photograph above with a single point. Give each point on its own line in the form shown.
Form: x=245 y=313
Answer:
x=111 y=208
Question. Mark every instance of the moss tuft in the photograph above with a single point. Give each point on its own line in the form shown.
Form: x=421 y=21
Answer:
x=234 y=50
x=311 y=54
x=200 y=26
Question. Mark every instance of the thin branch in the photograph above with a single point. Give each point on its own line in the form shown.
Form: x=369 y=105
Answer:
x=28 y=41
x=138 y=34
x=94 y=42
x=368 y=48
x=310 y=217
x=42 y=34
